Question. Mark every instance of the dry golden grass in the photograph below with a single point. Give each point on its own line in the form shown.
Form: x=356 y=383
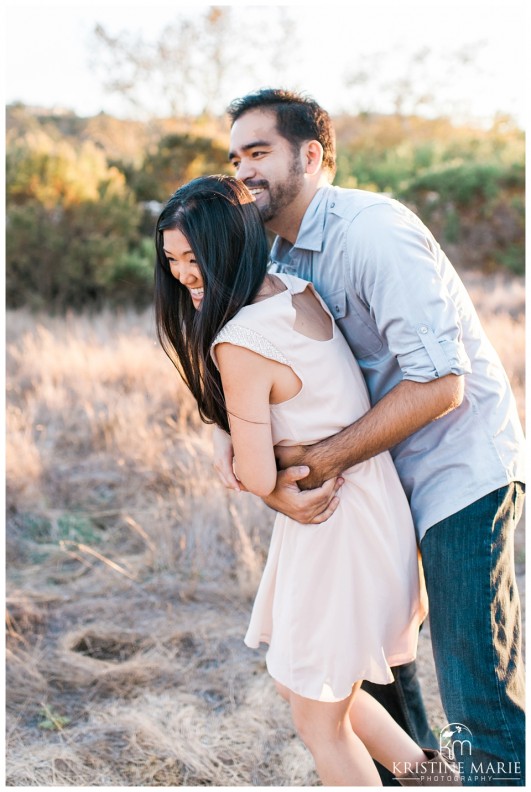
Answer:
x=131 y=571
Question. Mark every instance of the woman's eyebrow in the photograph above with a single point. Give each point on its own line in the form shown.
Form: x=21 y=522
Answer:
x=184 y=253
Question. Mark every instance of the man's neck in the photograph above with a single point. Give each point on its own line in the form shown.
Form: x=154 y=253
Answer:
x=287 y=225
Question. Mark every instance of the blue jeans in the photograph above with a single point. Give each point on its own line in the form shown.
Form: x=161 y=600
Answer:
x=468 y=562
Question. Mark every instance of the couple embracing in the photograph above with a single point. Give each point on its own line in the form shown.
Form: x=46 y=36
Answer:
x=354 y=390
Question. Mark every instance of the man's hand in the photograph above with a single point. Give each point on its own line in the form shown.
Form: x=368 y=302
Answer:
x=224 y=460
x=309 y=507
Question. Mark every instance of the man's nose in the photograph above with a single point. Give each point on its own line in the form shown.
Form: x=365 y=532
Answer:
x=246 y=170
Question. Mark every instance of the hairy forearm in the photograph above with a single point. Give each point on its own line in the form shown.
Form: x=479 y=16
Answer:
x=403 y=411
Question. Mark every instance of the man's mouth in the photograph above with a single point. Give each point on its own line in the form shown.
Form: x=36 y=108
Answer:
x=255 y=190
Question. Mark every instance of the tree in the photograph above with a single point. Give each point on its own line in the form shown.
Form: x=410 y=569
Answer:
x=422 y=82
x=194 y=66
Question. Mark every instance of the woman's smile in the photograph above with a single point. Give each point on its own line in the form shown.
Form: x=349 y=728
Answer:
x=197 y=296
x=183 y=264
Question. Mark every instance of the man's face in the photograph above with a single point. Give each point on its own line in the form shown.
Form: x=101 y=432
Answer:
x=266 y=162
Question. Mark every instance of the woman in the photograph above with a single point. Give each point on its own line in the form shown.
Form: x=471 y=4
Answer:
x=338 y=602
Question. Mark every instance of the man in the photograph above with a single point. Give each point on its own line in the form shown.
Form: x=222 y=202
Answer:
x=441 y=403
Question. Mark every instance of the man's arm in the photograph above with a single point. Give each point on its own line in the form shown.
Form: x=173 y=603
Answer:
x=404 y=410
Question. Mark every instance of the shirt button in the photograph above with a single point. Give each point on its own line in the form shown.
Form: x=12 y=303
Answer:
x=423 y=329
x=332 y=205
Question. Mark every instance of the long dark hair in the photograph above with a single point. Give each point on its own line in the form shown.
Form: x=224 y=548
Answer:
x=223 y=227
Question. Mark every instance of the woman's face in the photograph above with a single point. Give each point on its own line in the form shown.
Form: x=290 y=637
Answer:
x=183 y=264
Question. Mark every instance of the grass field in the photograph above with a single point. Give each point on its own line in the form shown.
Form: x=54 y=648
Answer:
x=131 y=572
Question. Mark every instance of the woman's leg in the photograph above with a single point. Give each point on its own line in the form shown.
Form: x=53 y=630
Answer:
x=384 y=739
x=340 y=757
x=319 y=723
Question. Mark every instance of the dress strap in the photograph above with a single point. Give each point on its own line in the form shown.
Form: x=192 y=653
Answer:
x=246 y=337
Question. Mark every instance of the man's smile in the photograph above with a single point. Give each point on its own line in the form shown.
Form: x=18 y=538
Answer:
x=257 y=190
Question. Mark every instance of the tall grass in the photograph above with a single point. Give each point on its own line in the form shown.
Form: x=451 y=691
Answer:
x=131 y=571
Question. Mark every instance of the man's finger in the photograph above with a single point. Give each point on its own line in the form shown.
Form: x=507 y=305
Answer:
x=320 y=503
x=328 y=489
x=328 y=512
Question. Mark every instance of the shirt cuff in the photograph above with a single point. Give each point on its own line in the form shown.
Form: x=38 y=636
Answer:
x=436 y=357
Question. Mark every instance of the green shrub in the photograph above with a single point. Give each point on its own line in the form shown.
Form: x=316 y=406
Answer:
x=512 y=258
x=63 y=258
x=71 y=220
x=462 y=183
x=176 y=160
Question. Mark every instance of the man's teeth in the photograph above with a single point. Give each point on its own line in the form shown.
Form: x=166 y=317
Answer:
x=256 y=190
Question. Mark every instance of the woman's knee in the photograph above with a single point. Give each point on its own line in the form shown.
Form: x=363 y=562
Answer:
x=318 y=723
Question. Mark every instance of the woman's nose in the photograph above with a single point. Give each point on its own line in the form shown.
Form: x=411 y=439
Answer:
x=185 y=274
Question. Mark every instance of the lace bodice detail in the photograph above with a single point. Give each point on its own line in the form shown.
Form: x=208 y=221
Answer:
x=251 y=339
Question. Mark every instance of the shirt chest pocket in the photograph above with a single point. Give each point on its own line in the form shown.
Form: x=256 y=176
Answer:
x=355 y=323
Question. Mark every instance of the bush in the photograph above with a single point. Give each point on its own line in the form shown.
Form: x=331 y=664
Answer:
x=71 y=222
x=177 y=160
x=60 y=258
x=464 y=182
x=79 y=227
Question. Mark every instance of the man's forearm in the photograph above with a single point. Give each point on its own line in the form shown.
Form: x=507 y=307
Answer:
x=404 y=410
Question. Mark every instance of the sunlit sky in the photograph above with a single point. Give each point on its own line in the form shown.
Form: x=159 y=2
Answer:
x=48 y=49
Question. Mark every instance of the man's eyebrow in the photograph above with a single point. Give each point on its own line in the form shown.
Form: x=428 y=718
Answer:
x=249 y=146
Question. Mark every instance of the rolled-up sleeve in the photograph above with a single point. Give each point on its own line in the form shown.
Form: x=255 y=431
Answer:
x=396 y=270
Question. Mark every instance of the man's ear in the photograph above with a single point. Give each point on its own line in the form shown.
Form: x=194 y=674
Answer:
x=313 y=155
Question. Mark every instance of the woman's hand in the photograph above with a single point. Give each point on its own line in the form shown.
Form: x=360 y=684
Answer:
x=224 y=460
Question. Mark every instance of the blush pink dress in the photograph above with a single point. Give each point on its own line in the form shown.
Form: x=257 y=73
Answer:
x=343 y=600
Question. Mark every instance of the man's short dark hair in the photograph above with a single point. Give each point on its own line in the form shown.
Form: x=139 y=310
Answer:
x=298 y=118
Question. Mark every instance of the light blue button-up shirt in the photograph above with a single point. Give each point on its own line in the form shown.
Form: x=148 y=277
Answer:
x=406 y=315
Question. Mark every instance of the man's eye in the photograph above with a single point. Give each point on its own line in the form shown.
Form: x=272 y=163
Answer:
x=235 y=164
x=258 y=154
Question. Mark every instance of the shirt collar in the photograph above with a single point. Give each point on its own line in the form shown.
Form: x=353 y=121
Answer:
x=311 y=232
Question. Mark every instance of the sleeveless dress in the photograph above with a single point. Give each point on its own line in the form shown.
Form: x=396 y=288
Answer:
x=343 y=600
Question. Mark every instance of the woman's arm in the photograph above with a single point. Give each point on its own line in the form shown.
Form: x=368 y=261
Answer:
x=247 y=379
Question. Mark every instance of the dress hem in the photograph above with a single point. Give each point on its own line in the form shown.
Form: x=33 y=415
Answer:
x=365 y=677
